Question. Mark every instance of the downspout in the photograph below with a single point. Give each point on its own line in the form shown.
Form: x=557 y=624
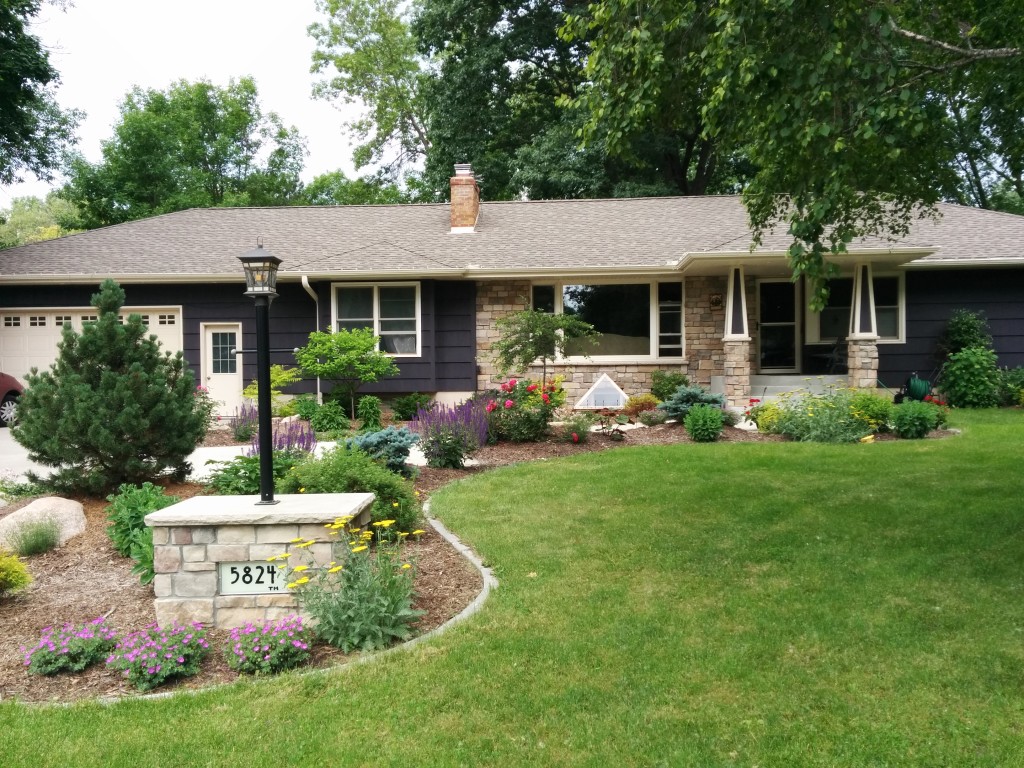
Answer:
x=316 y=324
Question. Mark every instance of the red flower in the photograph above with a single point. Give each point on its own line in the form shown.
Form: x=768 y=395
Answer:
x=491 y=406
x=509 y=403
x=546 y=398
x=575 y=437
x=531 y=388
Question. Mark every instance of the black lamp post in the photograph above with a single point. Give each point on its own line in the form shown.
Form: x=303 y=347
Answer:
x=261 y=282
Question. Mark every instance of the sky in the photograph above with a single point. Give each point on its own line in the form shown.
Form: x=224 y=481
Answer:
x=104 y=47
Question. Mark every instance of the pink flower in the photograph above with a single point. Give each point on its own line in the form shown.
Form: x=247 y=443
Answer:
x=491 y=406
x=546 y=398
x=575 y=437
x=511 y=383
x=509 y=403
x=531 y=388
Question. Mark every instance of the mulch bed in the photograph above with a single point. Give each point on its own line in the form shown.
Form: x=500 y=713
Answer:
x=87 y=578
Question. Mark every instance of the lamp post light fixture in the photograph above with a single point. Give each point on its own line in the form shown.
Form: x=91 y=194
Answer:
x=261 y=281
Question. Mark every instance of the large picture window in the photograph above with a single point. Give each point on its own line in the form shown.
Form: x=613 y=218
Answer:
x=635 y=320
x=390 y=310
x=833 y=322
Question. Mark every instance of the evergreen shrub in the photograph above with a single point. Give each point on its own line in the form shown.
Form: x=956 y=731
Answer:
x=389 y=446
x=679 y=403
x=113 y=408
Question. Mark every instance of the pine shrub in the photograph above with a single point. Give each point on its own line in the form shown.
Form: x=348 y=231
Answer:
x=113 y=408
x=389 y=446
x=685 y=397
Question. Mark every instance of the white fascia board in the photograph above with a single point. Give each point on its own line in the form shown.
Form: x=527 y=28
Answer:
x=574 y=273
x=960 y=263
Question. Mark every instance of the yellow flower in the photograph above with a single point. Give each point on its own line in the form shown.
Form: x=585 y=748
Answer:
x=284 y=555
x=385 y=523
x=295 y=540
x=394 y=503
x=335 y=569
x=302 y=490
x=402 y=534
x=405 y=566
x=303 y=580
x=333 y=533
x=416 y=493
x=298 y=568
x=305 y=544
x=359 y=549
x=291 y=585
x=418 y=532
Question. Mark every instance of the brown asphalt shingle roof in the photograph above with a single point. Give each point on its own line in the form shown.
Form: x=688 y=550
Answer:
x=527 y=237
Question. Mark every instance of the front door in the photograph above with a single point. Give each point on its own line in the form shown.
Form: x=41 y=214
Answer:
x=778 y=327
x=222 y=370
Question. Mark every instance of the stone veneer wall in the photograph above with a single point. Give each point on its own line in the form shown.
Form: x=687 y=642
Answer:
x=862 y=359
x=192 y=538
x=703 y=325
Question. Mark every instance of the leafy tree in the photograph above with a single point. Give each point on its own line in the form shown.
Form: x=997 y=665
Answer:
x=349 y=358
x=532 y=335
x=113 y=408
x=34 y=131
x=368 y=45
x=193 y=146
x=31 y=220
x=838 y=106
x=335 y=188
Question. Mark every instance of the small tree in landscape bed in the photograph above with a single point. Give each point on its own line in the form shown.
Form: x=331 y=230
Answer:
x=532 y=334
x=349 y=358
x=113 y=408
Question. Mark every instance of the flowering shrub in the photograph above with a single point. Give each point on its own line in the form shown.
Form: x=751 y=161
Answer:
x=821 y=418
x=267 y=650
x=941 y=410
x=361 y=599
x=153 y=656
x=450 y=434
x=291 y=436
x=764 y=415
x=576 y=429
x=71 y=648
x=246 y=422
x=874 y=411
x=521 y=410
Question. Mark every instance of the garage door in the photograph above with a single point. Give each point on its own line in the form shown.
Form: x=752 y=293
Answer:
x=29 y=337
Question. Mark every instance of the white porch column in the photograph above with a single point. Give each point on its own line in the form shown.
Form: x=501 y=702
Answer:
x=736 y=342
x=862 y=355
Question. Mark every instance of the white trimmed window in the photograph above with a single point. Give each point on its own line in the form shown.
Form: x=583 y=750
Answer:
x=635 y=320
x=833 y=322
x=390 y=310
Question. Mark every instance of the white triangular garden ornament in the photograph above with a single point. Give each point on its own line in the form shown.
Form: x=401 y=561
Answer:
x=604 y=394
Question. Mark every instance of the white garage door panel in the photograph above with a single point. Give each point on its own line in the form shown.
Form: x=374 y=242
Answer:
x=29 y=337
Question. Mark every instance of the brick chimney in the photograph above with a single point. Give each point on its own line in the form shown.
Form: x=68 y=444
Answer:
x=465 y=207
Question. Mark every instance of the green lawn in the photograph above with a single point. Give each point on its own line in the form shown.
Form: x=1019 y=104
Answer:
x=689 y=605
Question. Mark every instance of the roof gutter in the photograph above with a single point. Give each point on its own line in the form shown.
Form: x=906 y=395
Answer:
x=316 y=323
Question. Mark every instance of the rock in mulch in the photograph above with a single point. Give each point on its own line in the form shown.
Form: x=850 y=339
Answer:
x=67 y=514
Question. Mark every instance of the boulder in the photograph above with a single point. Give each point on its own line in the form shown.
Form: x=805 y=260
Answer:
x=68 y=515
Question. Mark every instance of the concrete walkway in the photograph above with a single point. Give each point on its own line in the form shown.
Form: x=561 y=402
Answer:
x=14 y=462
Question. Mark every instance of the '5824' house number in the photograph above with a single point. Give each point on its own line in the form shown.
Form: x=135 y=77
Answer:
x=253 y=578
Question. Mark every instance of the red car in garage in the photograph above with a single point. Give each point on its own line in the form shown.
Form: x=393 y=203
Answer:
x=10 y=391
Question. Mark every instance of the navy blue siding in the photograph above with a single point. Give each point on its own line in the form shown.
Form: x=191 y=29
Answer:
x=932 y=297
x=448 y=325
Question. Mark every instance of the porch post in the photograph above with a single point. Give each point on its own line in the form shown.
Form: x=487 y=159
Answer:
x=862 y=355
x=736 y=342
